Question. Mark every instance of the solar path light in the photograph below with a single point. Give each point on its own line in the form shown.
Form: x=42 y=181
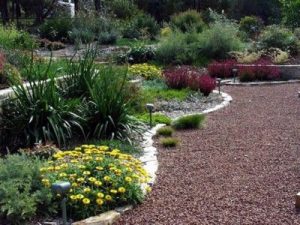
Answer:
x=219 y=84
x=235 y=73
x=62 y=188
x=150 y=108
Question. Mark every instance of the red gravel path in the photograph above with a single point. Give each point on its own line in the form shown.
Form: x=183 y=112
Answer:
x=242 y=168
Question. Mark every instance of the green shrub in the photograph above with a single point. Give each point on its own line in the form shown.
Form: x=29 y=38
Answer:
x=123 y=9
x=187 y=21
x=169 y=142
x=137 y=54
x=109 y=105
x=275 y=36
x=9 y=72
x=251 y=25
x=147 y=71
x=189 y=122
x=11 y=38
x=101 y=179
x=219 y=39
x=178 y=48
x=165 y=131
x=21 y=191
x=142 y=26
x=107 y=38
x=56 y=29
x=38 y=114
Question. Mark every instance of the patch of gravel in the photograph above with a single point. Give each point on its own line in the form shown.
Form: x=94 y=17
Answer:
x=194 y=104
x=243 y=167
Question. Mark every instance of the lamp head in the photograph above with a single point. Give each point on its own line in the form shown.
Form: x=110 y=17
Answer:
x=150 y=107
x=61 y=187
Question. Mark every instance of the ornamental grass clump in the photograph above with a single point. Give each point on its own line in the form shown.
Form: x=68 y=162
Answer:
x=101 y=178
x=189 y=122
x=169 y=142
x=165 y=131
x=147 y=71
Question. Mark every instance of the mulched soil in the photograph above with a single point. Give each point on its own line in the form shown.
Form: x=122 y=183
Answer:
x=242 y=168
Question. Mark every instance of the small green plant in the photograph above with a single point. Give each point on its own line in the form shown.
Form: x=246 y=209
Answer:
x=22 y=194
x=147 y=71
x=165 y=131
x=169 y=142
x=189 y=122
x=251 y=25
x=156 y=118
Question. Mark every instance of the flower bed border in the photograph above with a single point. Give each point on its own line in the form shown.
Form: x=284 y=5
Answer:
x=149 y=159
x=229 y=82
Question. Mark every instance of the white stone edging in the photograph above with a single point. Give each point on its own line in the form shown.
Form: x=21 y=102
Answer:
x=258 y=83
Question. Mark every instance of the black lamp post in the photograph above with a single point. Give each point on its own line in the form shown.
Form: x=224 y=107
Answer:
x=150 y=108
x=219 y=84
x=235 y=73
x=61 y=188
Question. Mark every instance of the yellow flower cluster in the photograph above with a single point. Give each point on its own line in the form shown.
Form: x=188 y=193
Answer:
x=147 y=71
x=99 y=176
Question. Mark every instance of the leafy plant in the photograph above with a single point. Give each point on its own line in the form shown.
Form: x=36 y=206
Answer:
x=247 y=57
x=142 y=26
x=123 y=9
x=101 y=178
x=251 y=25
x=178 y=77
x=261 y=70
x=56 y=29
x=38 y=114
x=221 y=69
x=165 y=131
x=169 y=142
x=137 y=54
x=187 y=21
x=203 y=83
x=147 y=71
x=109 y=105
x=157 y=118
x=275 y=36
x=22 y=194
x=189 y=122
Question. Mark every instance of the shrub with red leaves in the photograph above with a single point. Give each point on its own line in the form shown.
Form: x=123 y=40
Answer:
x=178 y=77
x=262 y=70
x=189 y=77
x=203 y=83
x=222 y=69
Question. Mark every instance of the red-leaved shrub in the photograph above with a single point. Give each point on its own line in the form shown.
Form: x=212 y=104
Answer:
x=222 y=69
x=178 y=77
x=262 y=70
x=203 y=83
x=189 y=77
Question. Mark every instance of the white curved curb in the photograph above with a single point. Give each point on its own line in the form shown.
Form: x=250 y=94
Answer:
x=149 y=157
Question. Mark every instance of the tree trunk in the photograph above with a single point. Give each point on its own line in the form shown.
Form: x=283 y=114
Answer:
x=76 y=3
x=4 y=11
x=97 y=5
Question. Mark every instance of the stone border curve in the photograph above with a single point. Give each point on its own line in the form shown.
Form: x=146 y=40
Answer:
x=149 y=159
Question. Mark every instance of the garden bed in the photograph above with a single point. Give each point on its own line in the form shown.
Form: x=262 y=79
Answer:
x=193 y=104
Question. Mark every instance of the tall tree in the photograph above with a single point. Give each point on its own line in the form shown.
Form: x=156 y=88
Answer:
x=4 y=11
x=97 y=5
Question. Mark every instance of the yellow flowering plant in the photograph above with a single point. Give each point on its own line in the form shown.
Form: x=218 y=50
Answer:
x=145 y=70
x=101 y=178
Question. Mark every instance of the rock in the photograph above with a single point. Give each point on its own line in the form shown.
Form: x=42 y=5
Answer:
x=106 y=218
x=124 y=208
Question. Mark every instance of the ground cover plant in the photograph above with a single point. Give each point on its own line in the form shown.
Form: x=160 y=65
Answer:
x=169 y=142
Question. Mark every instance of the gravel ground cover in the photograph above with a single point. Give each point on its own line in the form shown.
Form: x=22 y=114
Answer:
x=242 y=168
x=194 y=104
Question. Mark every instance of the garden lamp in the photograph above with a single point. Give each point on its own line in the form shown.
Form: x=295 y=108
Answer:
x=61 y=188
x=219 y=84
x=235 y=73
x=150 y=108
x=298 y=94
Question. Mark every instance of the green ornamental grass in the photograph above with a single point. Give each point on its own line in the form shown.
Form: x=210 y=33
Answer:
x=189 y=122
x=169 y=142
x=165 y=131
